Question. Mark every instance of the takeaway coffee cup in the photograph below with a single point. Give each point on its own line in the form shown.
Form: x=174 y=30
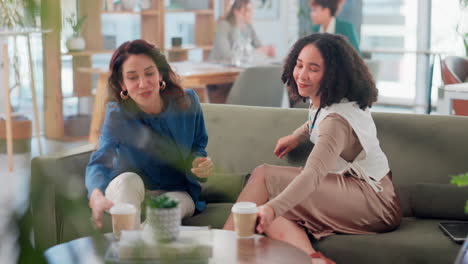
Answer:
x=245 y=216
x=123 y=218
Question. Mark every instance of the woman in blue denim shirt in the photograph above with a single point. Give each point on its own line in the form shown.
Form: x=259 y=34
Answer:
x=153 y=138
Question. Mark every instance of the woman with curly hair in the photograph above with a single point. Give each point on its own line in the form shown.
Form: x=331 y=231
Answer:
x=153 y=138
x=345 y=185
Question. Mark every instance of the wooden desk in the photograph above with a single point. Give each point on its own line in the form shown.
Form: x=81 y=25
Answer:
x=226 y=249
x=451 y=92
x=193 y=75
x=201 y=74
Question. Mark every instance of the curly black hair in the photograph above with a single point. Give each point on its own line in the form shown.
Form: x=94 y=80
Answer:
x=346 y=75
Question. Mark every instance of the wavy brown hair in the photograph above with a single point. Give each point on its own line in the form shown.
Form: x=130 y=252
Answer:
x=346 y=75
x=140 y=46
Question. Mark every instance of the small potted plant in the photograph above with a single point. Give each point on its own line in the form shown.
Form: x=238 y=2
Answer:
x=461 y=180
x=75 y=42
x=162 y=218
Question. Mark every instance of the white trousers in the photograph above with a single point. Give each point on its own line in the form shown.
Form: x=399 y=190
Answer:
x=128 y=187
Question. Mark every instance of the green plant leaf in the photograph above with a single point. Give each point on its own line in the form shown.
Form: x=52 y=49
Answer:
x=161 y=202
x=75 y=23
x=460 y=180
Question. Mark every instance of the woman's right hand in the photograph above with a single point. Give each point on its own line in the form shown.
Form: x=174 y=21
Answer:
x=98 y=204
x=285 y=145
x=268 y=50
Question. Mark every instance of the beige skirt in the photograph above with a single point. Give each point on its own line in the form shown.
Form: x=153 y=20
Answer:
x=340 y=204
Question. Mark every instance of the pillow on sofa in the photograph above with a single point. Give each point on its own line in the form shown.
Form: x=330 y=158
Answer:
x=444 y=201
x=223 y=187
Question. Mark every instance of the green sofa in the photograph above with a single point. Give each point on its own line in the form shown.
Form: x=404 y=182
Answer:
x=423 y=151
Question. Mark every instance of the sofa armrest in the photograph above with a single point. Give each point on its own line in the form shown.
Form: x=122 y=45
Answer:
x=55 y=176
x=57 y=184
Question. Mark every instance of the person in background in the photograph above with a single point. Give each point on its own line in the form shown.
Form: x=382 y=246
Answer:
x=235 y=38
x=351 y=11
x=346 y=184
x=323 y=14
x=236 y=28
x=153 y=138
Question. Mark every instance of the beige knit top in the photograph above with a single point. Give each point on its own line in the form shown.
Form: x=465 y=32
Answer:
x=336 y=138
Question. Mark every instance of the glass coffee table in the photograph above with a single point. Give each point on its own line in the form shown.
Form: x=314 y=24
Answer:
x=227 y=249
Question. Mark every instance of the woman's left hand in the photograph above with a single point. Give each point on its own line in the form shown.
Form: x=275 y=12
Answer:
x=202 y=166
x=266 y=215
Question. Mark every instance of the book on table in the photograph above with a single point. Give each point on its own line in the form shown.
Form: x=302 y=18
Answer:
x=193 y=243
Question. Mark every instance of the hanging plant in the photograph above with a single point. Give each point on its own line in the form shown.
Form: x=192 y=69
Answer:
x=18 y=13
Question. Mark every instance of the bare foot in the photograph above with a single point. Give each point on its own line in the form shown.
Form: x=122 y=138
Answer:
x=319 y=258
x=318 y=261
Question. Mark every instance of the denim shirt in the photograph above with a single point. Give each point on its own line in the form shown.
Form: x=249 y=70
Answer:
x=159 y=148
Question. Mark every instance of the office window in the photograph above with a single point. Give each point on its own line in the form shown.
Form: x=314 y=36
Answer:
x=446 y=16
x=388 y=32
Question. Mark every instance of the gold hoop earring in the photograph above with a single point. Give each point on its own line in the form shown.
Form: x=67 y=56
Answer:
x=162 y=85
x=124 y=95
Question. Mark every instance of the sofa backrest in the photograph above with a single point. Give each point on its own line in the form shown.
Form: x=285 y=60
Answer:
x=423 y=149
x=420 y=148
x=243 y=137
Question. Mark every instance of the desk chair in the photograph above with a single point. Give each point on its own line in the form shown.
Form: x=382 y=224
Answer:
x=258 y=86
x=455 y=70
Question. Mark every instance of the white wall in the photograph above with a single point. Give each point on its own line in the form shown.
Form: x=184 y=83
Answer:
x=281 y=32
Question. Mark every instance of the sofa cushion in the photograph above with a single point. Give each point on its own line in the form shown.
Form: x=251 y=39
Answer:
x=215 y=215
x=415 y=241
x=222 y=187
x=403 y=191
x=431 y=200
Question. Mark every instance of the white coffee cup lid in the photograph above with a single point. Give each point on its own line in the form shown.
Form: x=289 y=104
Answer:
x=244 y=208
x=122 y=208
